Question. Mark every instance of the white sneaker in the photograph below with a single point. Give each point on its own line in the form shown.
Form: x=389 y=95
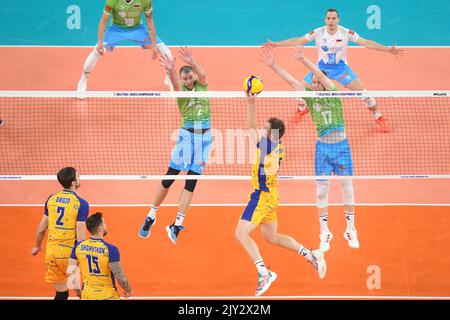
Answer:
x=352 y=238
x=319 y=263
x=82 y=84
x=325 y=238
x=264 y=282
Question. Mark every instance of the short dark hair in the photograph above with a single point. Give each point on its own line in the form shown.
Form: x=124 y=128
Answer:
x=94 y=221
x=66 y=176
x=332 y=10
x=185 y=69
x=277 y=124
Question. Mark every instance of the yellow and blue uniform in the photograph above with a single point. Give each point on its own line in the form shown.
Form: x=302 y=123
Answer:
x=263 y=202
x=63 y=209
x=94 y=257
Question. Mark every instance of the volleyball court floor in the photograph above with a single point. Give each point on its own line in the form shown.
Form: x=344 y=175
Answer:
x=403 y=225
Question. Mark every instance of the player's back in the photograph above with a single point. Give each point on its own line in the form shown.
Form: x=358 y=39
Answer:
x=94 y=257
x=266 y=165
x=64 y=209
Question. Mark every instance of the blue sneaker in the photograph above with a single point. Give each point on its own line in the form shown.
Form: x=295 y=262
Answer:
x=144 y=231
x=173 y=231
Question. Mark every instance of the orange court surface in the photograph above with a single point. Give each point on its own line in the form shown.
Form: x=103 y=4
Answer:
x=403 y=225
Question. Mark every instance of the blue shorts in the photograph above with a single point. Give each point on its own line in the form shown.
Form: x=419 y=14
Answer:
x=191 y=151
x=340 y=72
x=115 y=34
x=333 y=158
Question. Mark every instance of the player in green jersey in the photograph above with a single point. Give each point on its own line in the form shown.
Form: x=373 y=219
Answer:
x=333 y=155
x=125 y=26
x=191 y=152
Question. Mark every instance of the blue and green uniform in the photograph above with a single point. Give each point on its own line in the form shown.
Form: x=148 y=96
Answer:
x=195 y=140
x=126 y=22
x=327 y=115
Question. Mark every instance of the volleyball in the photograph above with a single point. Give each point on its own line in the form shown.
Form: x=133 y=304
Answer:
x=253 y=85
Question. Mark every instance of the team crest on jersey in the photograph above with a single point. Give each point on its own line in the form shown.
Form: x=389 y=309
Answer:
x=324 y=48
x=122 y=14
x=316 y=107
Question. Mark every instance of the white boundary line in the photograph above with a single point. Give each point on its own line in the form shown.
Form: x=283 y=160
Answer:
x=255 y=298
x=243 y=205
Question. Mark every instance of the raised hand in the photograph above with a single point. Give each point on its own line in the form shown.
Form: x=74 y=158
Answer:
x=396 y=51
x=269 y=44
x=267 y=57
x=167 y=63
x=299 y=52
x=186 y=55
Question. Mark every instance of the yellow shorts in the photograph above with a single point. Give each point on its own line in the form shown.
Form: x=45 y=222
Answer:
x=56 y=260
x=108 y=294
x=261 y=208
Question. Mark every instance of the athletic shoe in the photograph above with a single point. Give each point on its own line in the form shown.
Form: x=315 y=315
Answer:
x=264 y=282
x=82 y=84
x=325 y=238
x=382 y=124
x=1 y=122
x=318 y=262
x=144 y=231
x=352 y=238
x=173 y=231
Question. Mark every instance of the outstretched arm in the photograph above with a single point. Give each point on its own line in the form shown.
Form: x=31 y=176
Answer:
x=251 y=118
x=300 y=55
x=377 y=46
x=101 y=32
x=285 y=43
x=40 y=234
x=269 y=59
x=169 y=65
x=116 y=269
x=186 y=56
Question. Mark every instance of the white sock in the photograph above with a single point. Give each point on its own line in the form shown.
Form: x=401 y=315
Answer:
x=261 y=267
x=91 y=60
x=305 y=253
x=323 y=219
x=180 y=219
x=350 y=217
x=152 y=213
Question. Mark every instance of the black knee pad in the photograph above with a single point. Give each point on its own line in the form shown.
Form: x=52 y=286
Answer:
x=171 y=172
x=190 y=184
x=62 y=295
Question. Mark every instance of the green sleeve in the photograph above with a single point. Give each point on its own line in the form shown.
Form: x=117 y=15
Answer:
x=109 y=6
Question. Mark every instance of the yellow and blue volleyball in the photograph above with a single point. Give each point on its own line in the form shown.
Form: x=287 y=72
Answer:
x=253 y=85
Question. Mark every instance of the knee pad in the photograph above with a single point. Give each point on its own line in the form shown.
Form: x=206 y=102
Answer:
x=190 y=184
x=171 y=172
x=347 y=192
x=62 y=295
x=322 y=194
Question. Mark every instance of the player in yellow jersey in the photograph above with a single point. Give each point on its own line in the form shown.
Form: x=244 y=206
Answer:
x=64 y=217
x=99 y=262
x=263 y=202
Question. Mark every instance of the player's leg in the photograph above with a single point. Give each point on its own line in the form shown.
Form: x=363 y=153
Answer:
x=61 y=291
x=174 y=229
x=112 y=37
x=343 y=166
x=271 y=235
x=250 y=219
x=141 y=35
x=357 y=85
x=161 y=193
x=323 y=167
